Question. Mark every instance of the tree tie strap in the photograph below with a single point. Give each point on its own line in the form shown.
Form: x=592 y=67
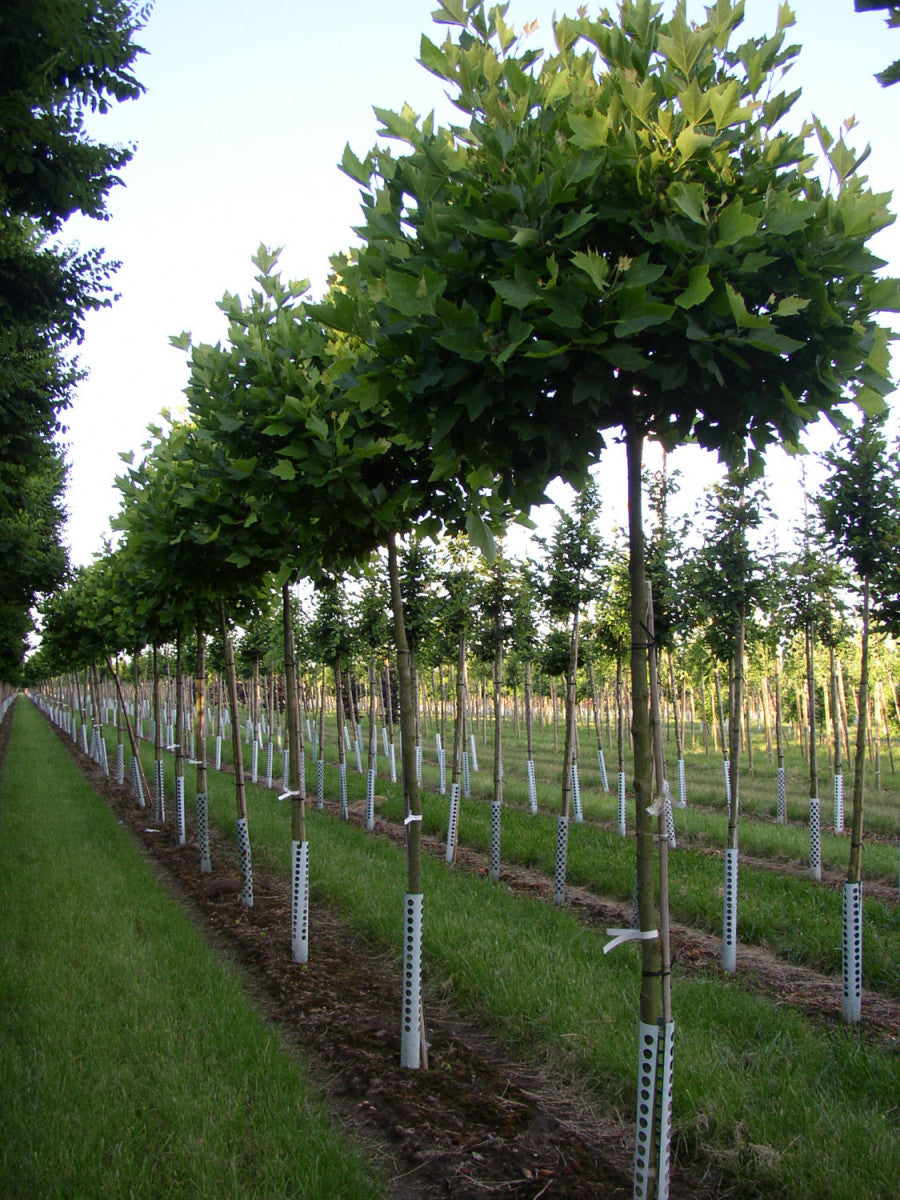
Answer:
x=629 y=935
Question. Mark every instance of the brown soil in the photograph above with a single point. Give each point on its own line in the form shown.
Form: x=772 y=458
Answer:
x=481 y=1122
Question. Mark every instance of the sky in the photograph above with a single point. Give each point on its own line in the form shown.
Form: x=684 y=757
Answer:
x=246 y=114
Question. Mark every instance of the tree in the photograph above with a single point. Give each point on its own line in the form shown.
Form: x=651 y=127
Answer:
x=60 y=59
x=727 y=583
x=860 y=511
x=619 y=237
x=574 y=569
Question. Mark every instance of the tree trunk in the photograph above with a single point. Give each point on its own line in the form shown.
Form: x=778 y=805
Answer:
x=854 y=870
x=246 y=894
x=640 y=736
x=412 y=1048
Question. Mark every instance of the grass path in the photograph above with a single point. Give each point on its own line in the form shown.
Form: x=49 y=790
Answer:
x=132 y=1063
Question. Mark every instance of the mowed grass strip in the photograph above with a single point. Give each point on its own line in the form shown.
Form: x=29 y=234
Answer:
x=132 y=1064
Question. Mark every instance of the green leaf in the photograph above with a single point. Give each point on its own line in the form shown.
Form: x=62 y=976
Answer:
x=790 y=306
x=870 y=402
x=743 y=319
x=689 y=198
x=594 y=266
x=317 y=426
x=689 y=141
x=576 y=220
x=480 y=536
x=525 y=235
x=284 y=469
x=734 y=224
x=773 y=342
x=353 y=167
x=589 y=133
x=653 y=314
x=682 y=46
x=884 y=295
x=698 y=287
x=515 y=292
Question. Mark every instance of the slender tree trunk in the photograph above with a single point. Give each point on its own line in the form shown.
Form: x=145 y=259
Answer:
x=296 y=773
x=246 y=894
x=180 y=832
x=131 y=735
x=640 y=736
x=735 y=722
x=413 y=1050
x=854 y=870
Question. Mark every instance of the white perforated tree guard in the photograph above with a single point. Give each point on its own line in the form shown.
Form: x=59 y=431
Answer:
x=442 y=768
x=285 y=769
x=218 y=752
x=682 y=785
x=559 y=868
x=726 y=771
x=621 y=810
x=320 y=784
x=452 y=823
x=384 y=739
x=342 y=789
x=101 y=745
x=120 y=764
x=270 y=763
x=815 y=839
x=315 y=743
x=180 y=835
x=781 y=813
x=357 y=751
x=532 y=787
x=254 y=761
x=370 y=799
x=203 y=833
x=495 y=840
x=652 y=1151
x=601 y=763
x=465 y=774
x=839 y=802
x=669 y=817
x=419 y=764
x=411 y=1017
x=392 y=758
x=160 y=792
x=300 y=901
x=576 y=794
x=852 y=953
x=729 y=913
x=473 y=760
x=138 y=783
x=245 y=863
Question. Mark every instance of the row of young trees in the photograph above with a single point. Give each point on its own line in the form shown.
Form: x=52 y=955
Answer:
x=622 y=238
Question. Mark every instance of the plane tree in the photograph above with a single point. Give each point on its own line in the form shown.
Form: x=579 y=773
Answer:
x=859 y=506
x=322 y=480
x=623 y=234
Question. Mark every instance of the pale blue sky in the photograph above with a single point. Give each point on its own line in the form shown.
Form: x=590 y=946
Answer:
x=246 y=115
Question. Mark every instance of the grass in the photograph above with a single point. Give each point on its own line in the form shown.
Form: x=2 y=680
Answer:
x=132 y=1064
x=762 y=1093
x=792 y=916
